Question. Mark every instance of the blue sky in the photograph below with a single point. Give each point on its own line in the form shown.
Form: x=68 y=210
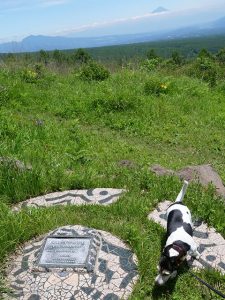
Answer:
x=20 y=18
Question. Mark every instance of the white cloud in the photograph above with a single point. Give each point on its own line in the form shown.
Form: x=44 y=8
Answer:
x=109 y=23
x=46 y=3
x=14 y=5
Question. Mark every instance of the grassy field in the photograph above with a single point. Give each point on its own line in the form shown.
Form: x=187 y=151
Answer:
x=74 y=133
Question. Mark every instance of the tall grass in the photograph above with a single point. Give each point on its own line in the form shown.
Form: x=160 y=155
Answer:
x=72 y=134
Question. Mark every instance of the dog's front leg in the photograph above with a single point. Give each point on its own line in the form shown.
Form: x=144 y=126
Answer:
x=194 y=251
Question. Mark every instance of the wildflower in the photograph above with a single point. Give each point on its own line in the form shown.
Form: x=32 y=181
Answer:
x=32 y=74
x=29 y=75
x=163 y=86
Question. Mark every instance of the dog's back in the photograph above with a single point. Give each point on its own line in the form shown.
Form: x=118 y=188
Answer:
x=179 y=216
x=177 y=213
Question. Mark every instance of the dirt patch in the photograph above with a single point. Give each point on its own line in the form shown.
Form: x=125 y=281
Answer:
x=15 y=164
x=126 y=163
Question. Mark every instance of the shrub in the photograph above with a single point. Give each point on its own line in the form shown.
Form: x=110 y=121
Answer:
x=37 y=74
x=94 y=71
x=29 y=76
x=4 y=95
x=151 y=64
x=118 y=102
x=176 y=58
x=204 y=68
x=221 y=87
x=58 y=57
x=81 y=56
x=156 y=86
x=38 y=68
x=151 y=54
x=44 y=56
x=220 y=56
x=205 y=54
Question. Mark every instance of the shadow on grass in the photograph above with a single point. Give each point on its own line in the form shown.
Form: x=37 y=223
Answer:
x=159 y=291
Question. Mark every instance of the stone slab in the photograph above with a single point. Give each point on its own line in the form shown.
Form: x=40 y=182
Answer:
x=102 y=196
x=211 y=244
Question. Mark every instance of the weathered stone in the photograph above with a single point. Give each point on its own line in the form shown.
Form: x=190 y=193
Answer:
x=203 y=174
x=158 y=170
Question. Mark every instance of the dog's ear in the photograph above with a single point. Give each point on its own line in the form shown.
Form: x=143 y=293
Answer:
x=166 y=252
x=162 y=259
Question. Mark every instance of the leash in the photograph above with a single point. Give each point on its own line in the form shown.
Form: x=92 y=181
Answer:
x=208 y=285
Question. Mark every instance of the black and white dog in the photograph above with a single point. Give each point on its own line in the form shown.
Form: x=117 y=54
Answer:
x=179 y=239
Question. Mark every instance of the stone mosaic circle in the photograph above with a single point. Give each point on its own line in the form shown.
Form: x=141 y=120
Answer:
x=211 y=244
x=103 y=196
x=113 y=278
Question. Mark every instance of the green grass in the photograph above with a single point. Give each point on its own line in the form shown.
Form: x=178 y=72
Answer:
x=75 y=133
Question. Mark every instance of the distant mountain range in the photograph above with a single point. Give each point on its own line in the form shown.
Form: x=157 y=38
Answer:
x=35 y=43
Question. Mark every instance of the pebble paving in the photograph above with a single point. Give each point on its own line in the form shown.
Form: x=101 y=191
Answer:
x=113 y=278
x=211 y=244
x=115 y=271
x=102 y=196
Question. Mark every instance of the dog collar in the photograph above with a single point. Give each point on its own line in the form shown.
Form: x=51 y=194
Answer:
x=179 y=249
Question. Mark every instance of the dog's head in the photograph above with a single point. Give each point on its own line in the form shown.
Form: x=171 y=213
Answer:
x=172 y=257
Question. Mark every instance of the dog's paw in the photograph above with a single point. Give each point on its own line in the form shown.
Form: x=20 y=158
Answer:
x=196 y=255
x=174 y=274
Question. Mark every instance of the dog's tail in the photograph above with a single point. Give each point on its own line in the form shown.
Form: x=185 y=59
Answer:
x=182 y=192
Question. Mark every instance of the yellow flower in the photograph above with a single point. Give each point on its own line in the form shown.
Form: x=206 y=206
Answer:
x=163 y=86
x=31 y=73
